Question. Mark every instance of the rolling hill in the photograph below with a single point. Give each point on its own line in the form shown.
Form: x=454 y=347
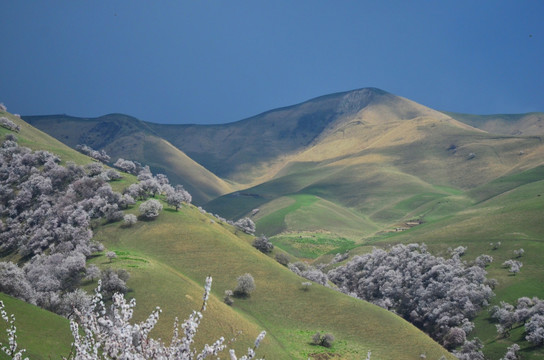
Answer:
x=349 y=171
x=168 y=259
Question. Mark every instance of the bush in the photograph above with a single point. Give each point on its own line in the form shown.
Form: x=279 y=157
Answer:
x=282 y=259
x=228 y=297
x=263 y=244
x=246 y=285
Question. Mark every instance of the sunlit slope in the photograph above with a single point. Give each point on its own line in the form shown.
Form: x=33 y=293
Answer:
x=529 y=124
x=188 y=246
x=43 y=334
x=384 y=162
x=125 y=137
x=35 y=139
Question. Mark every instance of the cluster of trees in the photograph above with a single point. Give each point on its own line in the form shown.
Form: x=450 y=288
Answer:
x=102 y=334
x=128 y=166
x=8 y=124
x=46 y=216
x=438 y=295
x=528 y=312
x=95 y=154
x=309 y=272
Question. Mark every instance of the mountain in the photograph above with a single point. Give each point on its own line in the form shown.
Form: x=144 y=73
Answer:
x=364 y=157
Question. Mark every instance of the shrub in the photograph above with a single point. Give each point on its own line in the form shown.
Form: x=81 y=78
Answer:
x=325 y=340
x=246 y=285
x=228 y=297
x=150 y=209
x=263 y=244
x=519 y=253
x=306 y=285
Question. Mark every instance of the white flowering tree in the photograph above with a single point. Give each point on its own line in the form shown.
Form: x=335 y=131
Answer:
x=99 y=334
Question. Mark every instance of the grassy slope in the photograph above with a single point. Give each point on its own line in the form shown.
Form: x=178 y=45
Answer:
x=35 y=139
x=43 y=334
x=187 y=243
x=382 y=169
x=512 y=214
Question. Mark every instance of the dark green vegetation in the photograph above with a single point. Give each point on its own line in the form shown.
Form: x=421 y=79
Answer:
x=350 y=171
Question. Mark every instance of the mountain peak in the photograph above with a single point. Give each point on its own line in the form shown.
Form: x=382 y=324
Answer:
x=355 y=100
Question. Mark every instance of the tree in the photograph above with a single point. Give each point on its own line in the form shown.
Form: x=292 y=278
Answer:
x=111 y=255
x=306 y=285
x=433 y=293
x=100 y=334
x=511 y=353
x=130 y=219
x=93 y=272
x=519 y=253
x=246 y=225
x=513 y=265
x=454 y=338
x=13 y=282
x=535 y=330
x=114 y=282
x=471 y=350
x=176 y=197
x=150 y=209
x=263 y=244
x=246 y=285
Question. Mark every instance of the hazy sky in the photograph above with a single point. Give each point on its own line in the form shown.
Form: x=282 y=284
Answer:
x=220 y=61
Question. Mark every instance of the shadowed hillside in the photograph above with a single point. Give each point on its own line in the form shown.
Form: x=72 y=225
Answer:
x=126 y=137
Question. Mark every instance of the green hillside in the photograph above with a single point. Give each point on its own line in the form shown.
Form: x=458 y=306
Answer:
x=179 y=249
x=43 y=334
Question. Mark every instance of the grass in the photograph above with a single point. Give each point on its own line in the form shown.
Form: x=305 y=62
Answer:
x=181 y=248
x=43 y=334
x=312 y=245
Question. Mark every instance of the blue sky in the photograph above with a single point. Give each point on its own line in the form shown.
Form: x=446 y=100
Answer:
x=222 y=61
